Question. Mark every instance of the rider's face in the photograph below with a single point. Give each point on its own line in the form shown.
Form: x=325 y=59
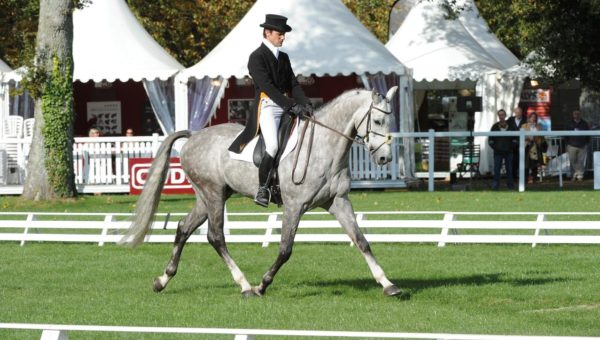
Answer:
x=274 y=37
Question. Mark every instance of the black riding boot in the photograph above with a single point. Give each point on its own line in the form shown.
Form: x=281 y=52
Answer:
x=263 y=196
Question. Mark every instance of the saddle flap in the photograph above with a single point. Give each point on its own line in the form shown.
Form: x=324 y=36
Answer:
x=259 y=150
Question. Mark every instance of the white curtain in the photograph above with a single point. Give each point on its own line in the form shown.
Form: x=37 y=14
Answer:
x=161 y=95
x=499 y=90
x=204 y=96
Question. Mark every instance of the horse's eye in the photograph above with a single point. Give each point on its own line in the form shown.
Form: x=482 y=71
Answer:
x=377 y=121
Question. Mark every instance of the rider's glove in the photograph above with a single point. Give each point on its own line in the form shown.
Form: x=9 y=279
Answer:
x=298 y=110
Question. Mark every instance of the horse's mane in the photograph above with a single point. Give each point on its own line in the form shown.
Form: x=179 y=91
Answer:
x=340 y=100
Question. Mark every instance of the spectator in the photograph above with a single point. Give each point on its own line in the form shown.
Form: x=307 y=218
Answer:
x=577 y=146
x=129 y=132
x=516 y=121
x=534 y=147
x=503 y=150
x=94 y=132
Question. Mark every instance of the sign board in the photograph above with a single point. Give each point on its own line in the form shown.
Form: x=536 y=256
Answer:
x=106 y=116
x=538 y=101
x=176 y=182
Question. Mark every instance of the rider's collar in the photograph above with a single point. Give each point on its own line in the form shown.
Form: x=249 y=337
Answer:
x=272 y=48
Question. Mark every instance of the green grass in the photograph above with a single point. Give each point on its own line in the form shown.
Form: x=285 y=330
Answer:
x=487 y=289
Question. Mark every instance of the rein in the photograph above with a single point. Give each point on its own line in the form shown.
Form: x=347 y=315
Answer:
x=359 y=139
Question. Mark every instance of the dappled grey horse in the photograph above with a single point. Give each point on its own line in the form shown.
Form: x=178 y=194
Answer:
x=215 y=176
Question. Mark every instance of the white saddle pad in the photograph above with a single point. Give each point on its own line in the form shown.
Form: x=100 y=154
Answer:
x=247 y=153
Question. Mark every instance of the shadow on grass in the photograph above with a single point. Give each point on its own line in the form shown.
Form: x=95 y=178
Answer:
x=415 y=286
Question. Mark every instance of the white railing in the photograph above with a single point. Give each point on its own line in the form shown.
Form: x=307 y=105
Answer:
x=440 y=227
x=59 y=332
x=103 y=161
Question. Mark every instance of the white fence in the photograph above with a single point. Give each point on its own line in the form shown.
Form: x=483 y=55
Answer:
x=59 y=332
x=101 y=164
x=439 y=227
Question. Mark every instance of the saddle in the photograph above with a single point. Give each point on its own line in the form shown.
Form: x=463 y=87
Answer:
x=285 y=128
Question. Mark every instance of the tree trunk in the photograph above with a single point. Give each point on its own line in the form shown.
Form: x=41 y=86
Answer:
x=50 y=166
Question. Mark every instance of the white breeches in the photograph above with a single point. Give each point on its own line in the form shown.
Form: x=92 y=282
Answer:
x=270 y=116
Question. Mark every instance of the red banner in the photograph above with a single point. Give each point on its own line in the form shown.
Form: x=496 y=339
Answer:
x=176 y=182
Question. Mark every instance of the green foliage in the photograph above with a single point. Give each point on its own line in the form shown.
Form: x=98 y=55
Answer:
x=57 y=108
x=18 y=28
x=189 y=29
x=561 y=33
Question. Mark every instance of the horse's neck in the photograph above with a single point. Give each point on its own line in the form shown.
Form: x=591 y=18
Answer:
x=340 y=116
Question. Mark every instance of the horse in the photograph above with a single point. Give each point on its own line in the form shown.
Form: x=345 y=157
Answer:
x=358 y=113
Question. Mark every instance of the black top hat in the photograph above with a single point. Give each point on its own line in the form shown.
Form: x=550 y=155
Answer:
x=276 y=22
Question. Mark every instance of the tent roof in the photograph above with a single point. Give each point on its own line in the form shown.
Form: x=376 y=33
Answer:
x=4 y=67
x=440 y=49
x=109 y=43
x=326 y=40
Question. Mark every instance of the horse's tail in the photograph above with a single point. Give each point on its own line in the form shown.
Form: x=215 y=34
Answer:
x=150 y=196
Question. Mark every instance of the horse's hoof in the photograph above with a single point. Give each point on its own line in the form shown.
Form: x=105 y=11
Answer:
x=250 y=293
x=395 y=291
x=157 y=287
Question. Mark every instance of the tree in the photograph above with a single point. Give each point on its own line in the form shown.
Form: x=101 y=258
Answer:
x=558 y=39
x=18 y=24
x=50 y=80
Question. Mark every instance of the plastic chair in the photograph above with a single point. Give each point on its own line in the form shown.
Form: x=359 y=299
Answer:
x=13 y=127
x=28 y=125
x=470 y=160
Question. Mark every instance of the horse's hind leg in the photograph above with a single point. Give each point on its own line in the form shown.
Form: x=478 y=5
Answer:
x=185 y=228
x=216 y=237
x=342 y=209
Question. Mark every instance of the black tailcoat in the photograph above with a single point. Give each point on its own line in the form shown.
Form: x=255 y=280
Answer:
x=277 y=80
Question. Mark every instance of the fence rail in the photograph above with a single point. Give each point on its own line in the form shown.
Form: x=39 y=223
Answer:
x=439 y=227
x=59 y=332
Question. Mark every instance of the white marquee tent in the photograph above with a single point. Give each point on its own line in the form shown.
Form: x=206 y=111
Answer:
x=453 y=54
x=326 y=40
x=110 y=44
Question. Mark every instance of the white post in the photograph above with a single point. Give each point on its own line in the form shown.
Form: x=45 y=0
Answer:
x=271 y=225
x=448 y=218
x=108 y=219
x=30 y=218
x=48 y=334
x=521 y=161
x=540 y=219
x=431 y=164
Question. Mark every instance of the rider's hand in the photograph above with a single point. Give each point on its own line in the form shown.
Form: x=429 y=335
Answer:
x=298 y=110
x=309 y=109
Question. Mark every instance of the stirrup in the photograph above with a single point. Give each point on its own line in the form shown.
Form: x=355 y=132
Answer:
x=260 y=200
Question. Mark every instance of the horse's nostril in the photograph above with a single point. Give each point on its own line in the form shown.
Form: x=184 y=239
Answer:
x=383 y=159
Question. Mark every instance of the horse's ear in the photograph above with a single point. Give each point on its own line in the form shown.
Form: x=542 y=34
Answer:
x=391 y=93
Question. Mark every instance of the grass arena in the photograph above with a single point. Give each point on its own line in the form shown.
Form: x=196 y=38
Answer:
x=504 y=289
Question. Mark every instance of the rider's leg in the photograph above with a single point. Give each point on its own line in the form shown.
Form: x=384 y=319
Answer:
x=270 y=116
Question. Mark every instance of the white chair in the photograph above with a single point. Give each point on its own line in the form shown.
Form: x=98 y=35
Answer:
x=13 y=127
x=28 y=125
x=3 y=166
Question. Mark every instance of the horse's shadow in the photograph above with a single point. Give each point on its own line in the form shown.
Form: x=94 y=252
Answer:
x=410 y=286
x=414 y=286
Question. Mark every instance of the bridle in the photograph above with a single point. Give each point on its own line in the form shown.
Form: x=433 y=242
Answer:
x=358 y=139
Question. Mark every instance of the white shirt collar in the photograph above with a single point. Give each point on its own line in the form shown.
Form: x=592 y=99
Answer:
x=272 y=48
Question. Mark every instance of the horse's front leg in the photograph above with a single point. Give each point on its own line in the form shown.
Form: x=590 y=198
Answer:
x=342 y=209
x=289 y=225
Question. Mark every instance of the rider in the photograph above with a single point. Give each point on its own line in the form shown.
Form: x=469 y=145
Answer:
x=276 y=92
